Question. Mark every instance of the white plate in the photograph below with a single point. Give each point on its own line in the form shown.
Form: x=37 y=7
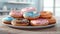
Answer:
x=30 y=26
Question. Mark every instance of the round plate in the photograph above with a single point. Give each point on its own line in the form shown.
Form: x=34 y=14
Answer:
x=30 y=26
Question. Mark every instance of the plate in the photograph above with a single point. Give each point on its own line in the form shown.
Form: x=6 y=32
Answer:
x=30 y=26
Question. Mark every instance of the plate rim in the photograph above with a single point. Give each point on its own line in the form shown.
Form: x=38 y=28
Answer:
x=30 y=26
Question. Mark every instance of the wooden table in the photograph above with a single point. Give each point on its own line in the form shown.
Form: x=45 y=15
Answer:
x=7 y=30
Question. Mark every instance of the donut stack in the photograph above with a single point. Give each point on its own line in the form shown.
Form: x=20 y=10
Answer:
x=29 y=17
x=49 y=16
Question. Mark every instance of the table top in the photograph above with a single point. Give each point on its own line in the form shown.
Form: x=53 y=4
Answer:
x=51 y=30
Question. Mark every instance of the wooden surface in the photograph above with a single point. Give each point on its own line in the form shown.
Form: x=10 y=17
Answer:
x=7 y=30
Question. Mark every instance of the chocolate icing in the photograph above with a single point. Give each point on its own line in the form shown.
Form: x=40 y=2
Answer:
x=22 y=21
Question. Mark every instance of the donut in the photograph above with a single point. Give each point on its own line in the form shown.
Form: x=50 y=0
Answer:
x=39 y=22
x=31 y=15
x=15 y=14
x=45 y=14
x=28 y=9
x=52 y=20
x=7 y=20
x=20 y=22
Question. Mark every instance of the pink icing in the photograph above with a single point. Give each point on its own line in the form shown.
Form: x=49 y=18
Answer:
x=15 y=13
x=32 y=9
x=40 y=21
x=28 y=9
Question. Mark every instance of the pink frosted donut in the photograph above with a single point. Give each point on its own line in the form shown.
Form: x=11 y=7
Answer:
x=32 y=8
x=15 y=14
x=39 y=22
x=28 y=9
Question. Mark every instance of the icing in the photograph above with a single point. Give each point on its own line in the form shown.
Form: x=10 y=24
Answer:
x=16 y=13
x=8 y=18
x=28 y=9
x=21 y=21
x=31 y=14
x=40 y=21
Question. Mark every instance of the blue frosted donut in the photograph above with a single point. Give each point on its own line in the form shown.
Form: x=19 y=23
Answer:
x=8 y=18
x=31 y=15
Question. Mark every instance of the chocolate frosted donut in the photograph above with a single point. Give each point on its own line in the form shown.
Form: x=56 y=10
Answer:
x=20 y=22
x=39 y=22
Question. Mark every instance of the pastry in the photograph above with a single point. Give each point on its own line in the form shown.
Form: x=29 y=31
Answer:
x=39 y=22
x=45 y=14
x=7 y=20
x=28 y=9
x=16 y=14
x=31 y=15
x=52 y=20
x=20 y=22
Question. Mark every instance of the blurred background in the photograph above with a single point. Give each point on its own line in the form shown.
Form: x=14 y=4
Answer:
x=46 y=5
